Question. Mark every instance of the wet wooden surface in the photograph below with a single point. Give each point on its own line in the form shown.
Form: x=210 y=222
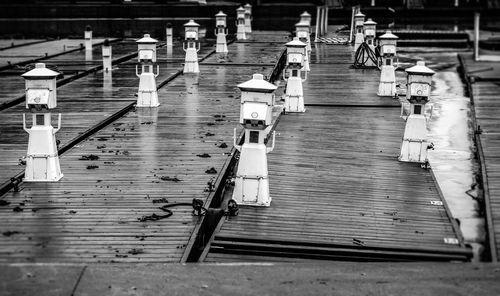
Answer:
x=91 y=215
x=39 y=50
x=335 y=177
x=486 y=96
x=12 y=84
x=83 y=103
x=8 y=43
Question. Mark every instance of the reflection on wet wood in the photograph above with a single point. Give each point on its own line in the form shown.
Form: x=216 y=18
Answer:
x=83 y=103
x=485 y=93
x=145 y=159
x=336 y=182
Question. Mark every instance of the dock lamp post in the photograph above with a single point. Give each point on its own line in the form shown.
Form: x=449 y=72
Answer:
x=106 y=57
x=306 y=17
x=359 y=20
x=414 y=145
x=147 y=95
x=191 y=46
x=387 y=85
x=221 y=32
x=303 y=32
x=248 y=18
x=370 y=29
x=252 y=179
x=88 y=38
x=294 y=94
x=240 y=24
x=42 y=162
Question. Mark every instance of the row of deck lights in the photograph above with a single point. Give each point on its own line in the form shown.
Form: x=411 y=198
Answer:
x=414 y=144
x=42 y=164
x=257 y=101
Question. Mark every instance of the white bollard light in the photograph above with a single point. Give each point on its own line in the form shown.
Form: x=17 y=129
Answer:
x=169 y=35
x=370 y=29
x=248 y=18
x=306 y=17
x=221 y=33
x=88 y=38
x=147 y=95
x=359 y=20
x=414 y=145
x=387 y=85
x=294 y=94
x=191 y=46
x=303 y=32
x=106 y=57
x=42 y=161
x=240 y=24
x=252 y=178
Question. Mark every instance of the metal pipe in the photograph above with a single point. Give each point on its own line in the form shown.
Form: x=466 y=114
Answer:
x=317 y=34
x=476 y=35
x=326 y=19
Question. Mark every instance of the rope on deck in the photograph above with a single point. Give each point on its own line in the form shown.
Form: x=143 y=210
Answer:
x=364 y=54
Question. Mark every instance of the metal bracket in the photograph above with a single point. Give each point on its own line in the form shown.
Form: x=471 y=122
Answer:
x=24 y=123
x=137 y=71
x=238 y=147
x=157 y=71
x=58 y=124
x=272 y=146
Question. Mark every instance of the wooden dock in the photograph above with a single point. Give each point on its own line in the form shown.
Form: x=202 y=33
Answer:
x=145 y=159
x=36 y=51
x=80 y=101
x=482 y=79
x=339 y=192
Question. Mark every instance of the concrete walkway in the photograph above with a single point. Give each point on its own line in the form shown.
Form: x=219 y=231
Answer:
x=255 y=279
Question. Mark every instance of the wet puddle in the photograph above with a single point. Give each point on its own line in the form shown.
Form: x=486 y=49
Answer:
x=450 y=130
x=453 y=160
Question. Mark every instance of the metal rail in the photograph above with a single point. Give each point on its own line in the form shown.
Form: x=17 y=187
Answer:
x=205 y=230
x=339 y=252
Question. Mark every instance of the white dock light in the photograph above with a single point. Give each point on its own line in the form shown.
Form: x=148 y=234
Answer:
x=387 y=85
x=295 y=64
x=359 y=20
x=191 y=46
x=248 y=18
x=240 y=24
x=414 y=145
x=252 y=179
x=221 y=32
x=147 y=95
x=42 y=161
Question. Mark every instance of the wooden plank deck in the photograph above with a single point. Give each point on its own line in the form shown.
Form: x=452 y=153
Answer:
x=10 y=43
x=336 y=183
x=91 y=214
x=39 y=50
x=486 y=98
x=81 y=105
x=12 y=84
